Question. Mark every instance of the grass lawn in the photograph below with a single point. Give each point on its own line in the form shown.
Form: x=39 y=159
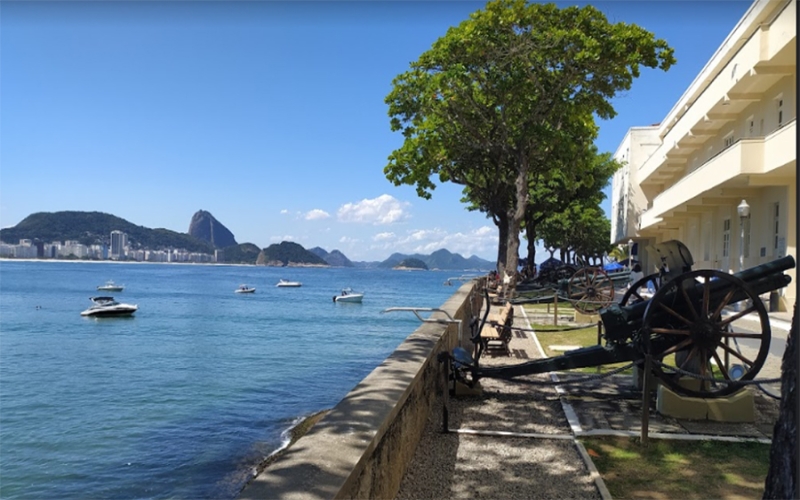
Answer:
x=582 y=338
x=680 y=469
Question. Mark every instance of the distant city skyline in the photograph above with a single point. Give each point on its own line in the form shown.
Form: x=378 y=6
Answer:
x=269 y=115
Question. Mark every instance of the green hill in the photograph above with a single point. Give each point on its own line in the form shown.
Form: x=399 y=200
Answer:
x=440 y=259
x=288 y=253
x=243 y=253
x=411 y=263
x=94 y=228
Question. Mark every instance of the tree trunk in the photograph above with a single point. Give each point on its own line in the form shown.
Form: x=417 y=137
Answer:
x=502 y=247
x=530 y=234
x=515 y=223
x=781 y=479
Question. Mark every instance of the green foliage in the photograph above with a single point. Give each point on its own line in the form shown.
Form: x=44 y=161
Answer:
x=94 y=228
x=244 y=253
x=412 y=263
x=584 y=230
x=509 y=96
x=289 y=252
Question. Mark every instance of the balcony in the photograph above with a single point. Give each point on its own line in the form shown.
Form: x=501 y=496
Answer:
x=748 y=162
x=756 y=61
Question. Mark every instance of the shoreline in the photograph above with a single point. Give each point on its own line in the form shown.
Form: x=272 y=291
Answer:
x=109 y=261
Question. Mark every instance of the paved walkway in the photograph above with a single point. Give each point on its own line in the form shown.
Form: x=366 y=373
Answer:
x=487 y=456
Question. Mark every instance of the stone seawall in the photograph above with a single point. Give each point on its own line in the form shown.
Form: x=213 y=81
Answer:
x=362 y=447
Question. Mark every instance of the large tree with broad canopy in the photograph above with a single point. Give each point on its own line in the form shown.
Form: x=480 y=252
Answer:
x=508 y=90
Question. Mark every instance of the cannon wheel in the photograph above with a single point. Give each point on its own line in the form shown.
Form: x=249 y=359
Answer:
x=634 y=294
x=701 y=335
x=590 y=289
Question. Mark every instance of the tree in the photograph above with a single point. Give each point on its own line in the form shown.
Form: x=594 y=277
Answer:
x=557 y=190
x=505 y=91
x=582 y=231
x=781 y=479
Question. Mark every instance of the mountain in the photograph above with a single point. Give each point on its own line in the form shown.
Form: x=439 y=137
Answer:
x=440 y=259
x=334 y=258
x=288 y=253
x=94 y=228
x=206 y=228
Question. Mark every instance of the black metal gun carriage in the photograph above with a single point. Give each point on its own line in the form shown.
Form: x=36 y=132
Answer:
x=588 y=288
x=686 y=327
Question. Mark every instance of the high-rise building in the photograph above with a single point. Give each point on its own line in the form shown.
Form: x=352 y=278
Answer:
x=119 y=242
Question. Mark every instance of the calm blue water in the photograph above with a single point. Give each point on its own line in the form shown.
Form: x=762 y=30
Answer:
x=185 y=398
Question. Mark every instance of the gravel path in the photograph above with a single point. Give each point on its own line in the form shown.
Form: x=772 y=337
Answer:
x=477 y=466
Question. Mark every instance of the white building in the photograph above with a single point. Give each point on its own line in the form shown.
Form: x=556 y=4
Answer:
x=730 y=137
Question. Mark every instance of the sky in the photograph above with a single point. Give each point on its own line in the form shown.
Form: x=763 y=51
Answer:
x=270 y=115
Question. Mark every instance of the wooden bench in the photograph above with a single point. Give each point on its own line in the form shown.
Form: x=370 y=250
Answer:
x=496 y=333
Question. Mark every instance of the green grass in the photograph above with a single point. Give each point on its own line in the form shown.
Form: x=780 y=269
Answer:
x=680 y=469
x=583 y=338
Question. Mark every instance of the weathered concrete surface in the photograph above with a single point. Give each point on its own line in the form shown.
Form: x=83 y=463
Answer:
x=362 y=447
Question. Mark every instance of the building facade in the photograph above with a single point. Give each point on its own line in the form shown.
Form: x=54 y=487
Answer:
x=119 y=243
x=730 y=138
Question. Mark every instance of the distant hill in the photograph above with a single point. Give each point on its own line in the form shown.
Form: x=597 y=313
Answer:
x=440 y=259
x=243 y=253
x=334 y=258
x=94 y=228
x=288 y=253
x=205 y=227
x=411 y=263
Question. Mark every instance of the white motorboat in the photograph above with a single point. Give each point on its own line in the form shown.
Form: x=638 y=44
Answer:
x=245 y=289
x=110 y=286
x=285 y=283
x=104 y=307
x=348 y=295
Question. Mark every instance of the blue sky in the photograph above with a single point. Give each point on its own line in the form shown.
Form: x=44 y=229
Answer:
x=269 y=115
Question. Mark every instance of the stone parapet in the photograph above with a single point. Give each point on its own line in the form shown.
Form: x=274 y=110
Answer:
x=362 y=447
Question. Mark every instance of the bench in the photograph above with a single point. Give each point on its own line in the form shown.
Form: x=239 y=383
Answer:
x=496 y=333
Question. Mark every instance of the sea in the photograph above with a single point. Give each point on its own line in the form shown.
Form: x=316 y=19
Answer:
x=184 y=399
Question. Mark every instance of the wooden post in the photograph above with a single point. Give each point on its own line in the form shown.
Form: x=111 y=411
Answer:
x=646 y=381
x=445 y=394
x=555 y=309
x=599 y=340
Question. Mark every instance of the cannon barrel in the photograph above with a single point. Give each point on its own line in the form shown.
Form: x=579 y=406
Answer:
x=622 y=321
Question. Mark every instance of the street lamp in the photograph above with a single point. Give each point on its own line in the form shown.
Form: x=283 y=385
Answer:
x=630 y=253
x=744 y=213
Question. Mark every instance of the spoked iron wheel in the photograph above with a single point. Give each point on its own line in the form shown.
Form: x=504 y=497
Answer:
x=590 y=290
x=640 y=291
x=684 y=319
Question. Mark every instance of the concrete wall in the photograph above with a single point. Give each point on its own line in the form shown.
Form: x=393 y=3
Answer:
x=362 y=447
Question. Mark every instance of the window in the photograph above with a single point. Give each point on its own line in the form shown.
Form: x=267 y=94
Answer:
x=779 y=105
x=751 y=126
x=726 y=237
x=728 y=140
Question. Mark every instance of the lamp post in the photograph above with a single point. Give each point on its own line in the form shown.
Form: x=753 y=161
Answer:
x=744 y=214
x=630 y=253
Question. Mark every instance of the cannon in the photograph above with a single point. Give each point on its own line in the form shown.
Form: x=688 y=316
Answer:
x=682 y=327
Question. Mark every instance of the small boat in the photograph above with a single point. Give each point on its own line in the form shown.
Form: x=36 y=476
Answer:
x=110 y=286
x=348 y=295
x=284 y=283
x=245 y=289
x=105 y=307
